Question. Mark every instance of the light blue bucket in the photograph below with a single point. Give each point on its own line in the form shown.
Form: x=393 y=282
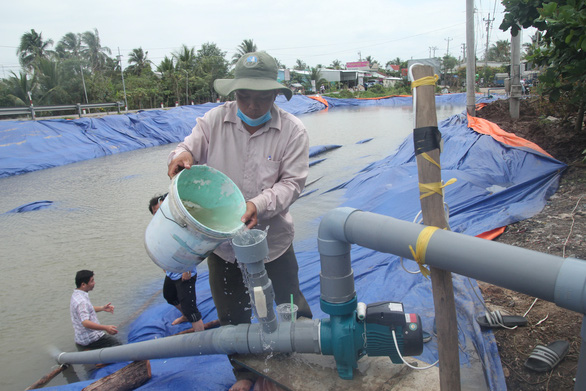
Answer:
x=203 y=209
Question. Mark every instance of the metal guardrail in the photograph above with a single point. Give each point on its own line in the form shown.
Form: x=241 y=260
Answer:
x=80 y=108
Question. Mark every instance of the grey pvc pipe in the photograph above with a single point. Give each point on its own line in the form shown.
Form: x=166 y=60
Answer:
x=300 y=336
x=555 y=279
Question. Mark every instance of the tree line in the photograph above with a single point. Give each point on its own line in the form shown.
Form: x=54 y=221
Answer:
x=79 y=69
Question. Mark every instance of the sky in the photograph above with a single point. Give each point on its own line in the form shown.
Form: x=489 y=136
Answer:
x=314 y=31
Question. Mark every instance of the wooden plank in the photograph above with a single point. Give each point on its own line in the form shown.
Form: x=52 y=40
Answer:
x=432 y=208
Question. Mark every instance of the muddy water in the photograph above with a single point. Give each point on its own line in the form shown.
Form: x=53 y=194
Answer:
x=97 y=222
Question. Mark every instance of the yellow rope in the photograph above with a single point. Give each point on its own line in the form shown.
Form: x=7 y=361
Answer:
x=433 y=188
x=421 y=248
x=430 y=159
x=424 y=81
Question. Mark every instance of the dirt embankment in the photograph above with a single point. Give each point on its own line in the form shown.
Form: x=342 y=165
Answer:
x=560 y=230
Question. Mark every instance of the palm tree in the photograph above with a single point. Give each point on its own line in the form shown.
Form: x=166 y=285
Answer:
x=185 y=58
x=370 y=60
x=247 y=46
x=93 y=51
x=500 y=51
x=169 y=79
x=32 y=48
x=315 y=74
x=530 y=48
x=138 y=59
x=336 y=64
x=69 y=46
x=19 y=86
x=166 y=67
x=50 y=83
x=300 y=65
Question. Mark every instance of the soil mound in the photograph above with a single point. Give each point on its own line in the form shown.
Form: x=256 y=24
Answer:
x=558 y=229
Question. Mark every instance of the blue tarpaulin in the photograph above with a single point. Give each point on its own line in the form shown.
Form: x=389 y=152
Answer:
x=497 y=184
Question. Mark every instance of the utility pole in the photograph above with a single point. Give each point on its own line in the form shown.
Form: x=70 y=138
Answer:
x=470 y=60
x=488 y=22
x=83 y=82
x=434 y=48
x=123 y=85
x=516 y=89
x=448 y=49
x=463 y=52
x=186 y=92
x=360 y=56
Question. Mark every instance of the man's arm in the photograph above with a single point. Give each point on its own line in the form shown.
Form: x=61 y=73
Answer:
x=192 y=150
x=108 y=308
x=110 y=329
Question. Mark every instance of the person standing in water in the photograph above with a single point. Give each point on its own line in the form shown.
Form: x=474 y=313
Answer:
x=179 y=288
x=89 y=333
x=265 y=151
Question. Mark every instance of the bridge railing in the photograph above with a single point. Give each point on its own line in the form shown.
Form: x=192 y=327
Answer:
x=79 y=107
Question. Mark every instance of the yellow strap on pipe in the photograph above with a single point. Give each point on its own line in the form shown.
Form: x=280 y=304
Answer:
x=424 y=81
x=421 y=248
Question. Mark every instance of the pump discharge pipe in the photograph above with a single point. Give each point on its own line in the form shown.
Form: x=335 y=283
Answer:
x=344 y=335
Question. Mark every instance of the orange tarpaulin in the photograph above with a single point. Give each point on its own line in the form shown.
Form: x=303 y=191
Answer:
x=486 y=127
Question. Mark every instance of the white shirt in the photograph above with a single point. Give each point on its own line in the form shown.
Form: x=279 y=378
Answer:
x=269 y=167
x=82 y=309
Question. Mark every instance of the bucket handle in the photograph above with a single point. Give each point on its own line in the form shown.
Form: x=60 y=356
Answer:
x=181 y=225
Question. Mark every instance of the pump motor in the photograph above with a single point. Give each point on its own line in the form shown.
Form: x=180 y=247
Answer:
x=381 y=320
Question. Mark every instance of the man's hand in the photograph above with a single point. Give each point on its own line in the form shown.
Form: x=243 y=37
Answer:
x=108 y=308
x=181 y=161
x=111 y=329
x=198 y=326
x=250 y=217
x=186 y=276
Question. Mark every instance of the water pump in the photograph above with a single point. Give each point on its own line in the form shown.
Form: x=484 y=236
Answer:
x=350 y=334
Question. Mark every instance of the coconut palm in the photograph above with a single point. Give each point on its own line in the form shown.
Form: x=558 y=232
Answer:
x=370 y=60
x=536 y=41
x=169 y=80
x=247 y=46
x=185 y=58
x=32 y=48
x=50 y=78
x=300 y=65
x=166 y=67
x=69 y=46
x=93 y=51
x=315 y=74
x=500 y=51
x=336 y=64
x=19 y=86
x=139 y=61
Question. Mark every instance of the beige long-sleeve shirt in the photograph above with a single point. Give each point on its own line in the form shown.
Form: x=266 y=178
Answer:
x=269 y=167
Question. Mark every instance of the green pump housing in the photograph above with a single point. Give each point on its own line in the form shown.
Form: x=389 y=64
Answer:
x=348 y=338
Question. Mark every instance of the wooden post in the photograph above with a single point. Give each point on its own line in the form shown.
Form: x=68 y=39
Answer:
x=432 y=209
x=48 y=377
x=128 y=378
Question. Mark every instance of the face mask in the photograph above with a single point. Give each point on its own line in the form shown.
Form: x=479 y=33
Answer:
x=254 y=122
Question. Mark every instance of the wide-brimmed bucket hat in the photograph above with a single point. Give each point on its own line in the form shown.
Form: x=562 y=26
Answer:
x=254 y=71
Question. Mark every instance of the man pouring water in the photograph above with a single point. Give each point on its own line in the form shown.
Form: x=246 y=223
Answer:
x=265 y=151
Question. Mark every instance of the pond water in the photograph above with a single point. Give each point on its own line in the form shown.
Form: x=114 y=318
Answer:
x=98 y=221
